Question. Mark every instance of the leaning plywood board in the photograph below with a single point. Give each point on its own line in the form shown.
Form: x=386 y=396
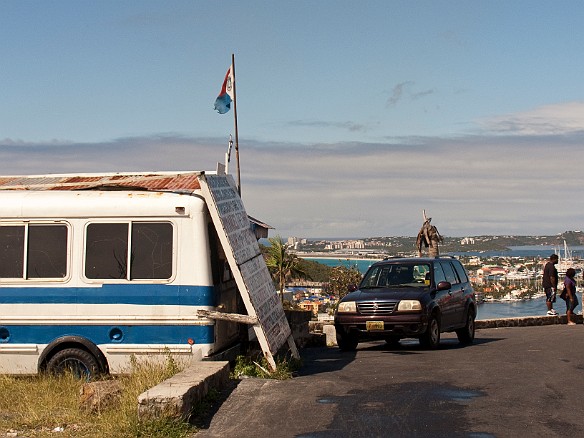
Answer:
x=247 y=264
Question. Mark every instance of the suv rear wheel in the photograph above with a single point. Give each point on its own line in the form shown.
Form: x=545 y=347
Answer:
x=467 y=333
x=431 y=337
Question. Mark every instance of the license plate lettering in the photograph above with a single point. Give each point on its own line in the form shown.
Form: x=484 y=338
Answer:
x=374 y=325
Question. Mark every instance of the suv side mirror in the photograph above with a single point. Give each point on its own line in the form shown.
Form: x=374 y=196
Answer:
x=352 y=287
x=443 y=285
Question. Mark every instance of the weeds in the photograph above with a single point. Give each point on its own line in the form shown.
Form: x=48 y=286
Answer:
x=257 y=366
x=37 y=406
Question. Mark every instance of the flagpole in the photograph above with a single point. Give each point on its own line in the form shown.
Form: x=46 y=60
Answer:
x=236 y=132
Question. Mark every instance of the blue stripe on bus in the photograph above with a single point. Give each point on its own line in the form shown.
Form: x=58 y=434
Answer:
x=108 y=334
x=147 y=294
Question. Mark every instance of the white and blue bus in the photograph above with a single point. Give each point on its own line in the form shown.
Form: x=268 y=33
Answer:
x=95 y=269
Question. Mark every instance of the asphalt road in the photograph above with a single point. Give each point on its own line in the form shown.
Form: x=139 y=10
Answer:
x=520 y=381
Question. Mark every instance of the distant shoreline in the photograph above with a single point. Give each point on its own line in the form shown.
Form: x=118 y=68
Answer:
x=327 y=257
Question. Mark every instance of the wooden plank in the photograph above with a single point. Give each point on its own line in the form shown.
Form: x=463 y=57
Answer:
x=234 y=317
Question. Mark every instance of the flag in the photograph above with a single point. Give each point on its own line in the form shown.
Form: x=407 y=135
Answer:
x=226 y=96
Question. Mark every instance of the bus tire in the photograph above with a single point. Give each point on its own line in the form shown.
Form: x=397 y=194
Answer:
x=80 y=363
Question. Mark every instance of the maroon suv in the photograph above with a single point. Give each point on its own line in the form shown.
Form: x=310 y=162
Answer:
x=408 y=298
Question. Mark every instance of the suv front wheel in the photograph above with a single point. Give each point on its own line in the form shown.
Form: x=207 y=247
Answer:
x=346 y=341
x=431 y=337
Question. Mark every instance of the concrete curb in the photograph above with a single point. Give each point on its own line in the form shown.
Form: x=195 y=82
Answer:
x=176 y=397
x=526 y=321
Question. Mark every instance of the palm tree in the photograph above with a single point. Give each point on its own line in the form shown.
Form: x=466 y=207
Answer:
x=282 y=264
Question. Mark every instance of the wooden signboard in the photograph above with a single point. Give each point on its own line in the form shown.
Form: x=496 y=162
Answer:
x=247 y=264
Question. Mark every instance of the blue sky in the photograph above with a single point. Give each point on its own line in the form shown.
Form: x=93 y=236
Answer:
x=353 y=116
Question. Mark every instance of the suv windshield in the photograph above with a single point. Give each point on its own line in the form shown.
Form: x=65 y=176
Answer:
x=397 y=274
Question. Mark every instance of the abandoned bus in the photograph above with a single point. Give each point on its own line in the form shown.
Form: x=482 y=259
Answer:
x=95 y=269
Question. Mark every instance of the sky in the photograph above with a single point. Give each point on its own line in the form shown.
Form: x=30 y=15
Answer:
x=353 y=117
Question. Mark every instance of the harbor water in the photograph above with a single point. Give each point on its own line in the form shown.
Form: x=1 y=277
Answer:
x=486 y=310
x=514 y=309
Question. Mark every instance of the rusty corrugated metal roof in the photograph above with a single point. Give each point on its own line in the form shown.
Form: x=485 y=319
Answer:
x=153 y=181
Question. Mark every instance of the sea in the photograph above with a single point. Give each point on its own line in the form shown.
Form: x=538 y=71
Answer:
x=488 y=310
x=540 y=251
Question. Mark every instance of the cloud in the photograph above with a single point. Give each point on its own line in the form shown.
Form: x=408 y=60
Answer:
x=397 y=93
x=553 y=119
x=419 y=95
x=469 y=185
x=405 y=89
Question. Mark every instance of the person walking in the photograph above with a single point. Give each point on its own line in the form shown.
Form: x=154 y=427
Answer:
x=550 y=283
x=570 y=294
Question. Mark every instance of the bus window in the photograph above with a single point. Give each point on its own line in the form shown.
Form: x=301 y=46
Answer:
x=46 y=255
x=106 y=251
x=151 y=250
x=47 y=251
x=11 y=251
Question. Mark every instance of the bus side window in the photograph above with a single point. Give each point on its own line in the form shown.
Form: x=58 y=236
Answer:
x=47 y=251
x=12 y=251
x=151 y=250
x=106 y=251
x=46 y=255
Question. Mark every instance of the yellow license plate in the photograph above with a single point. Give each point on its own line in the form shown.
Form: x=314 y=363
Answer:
x=374 y=325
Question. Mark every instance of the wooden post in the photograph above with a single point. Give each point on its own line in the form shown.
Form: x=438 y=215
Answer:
x=236 y=130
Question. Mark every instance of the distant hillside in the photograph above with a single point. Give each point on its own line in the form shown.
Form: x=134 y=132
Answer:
x=405 y=244
x=489 y=243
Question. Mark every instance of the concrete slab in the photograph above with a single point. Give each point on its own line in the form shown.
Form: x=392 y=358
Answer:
x=177 y=396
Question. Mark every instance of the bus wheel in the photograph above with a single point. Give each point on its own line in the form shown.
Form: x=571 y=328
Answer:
x=79 y=363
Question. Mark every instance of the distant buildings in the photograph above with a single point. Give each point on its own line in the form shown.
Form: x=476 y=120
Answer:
x=345 y=244
x=313 y=300
x=294 y=242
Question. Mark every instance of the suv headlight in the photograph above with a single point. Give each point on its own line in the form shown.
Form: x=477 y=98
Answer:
x=347 y=306
x=411 y=305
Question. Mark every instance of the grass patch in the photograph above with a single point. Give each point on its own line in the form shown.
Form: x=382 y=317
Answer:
x=36 y=406
x=257 y=366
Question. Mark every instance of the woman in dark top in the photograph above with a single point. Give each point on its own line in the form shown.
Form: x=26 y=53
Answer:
x=570 y=292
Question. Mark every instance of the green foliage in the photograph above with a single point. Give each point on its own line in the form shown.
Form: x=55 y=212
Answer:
x=341 y=278
x=282 y=264
x=257 y=366
x=161 y=427
x=315 y=271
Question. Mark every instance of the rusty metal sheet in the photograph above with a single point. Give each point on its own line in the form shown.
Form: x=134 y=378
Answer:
x=153 y=181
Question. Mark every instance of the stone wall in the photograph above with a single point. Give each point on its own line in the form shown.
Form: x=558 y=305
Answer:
x=299 y=321
x=525 y=321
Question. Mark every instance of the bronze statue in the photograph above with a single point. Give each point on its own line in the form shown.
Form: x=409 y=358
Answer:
x=428 y=237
